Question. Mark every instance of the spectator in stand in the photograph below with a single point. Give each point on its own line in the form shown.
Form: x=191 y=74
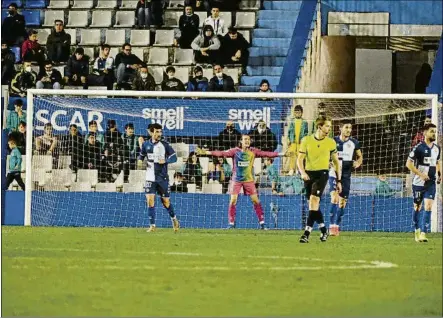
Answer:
x=103 y=71
x=206 y=46
x=8 y=61
x=219 y=170
x=193 y=170
x=113 y=138
x=298 y=129
x=180 y=184
x=16 y=116
x=15 y=165
x=93 y=129
x=126 y=65
x=198 y=83
x=149 y=12
x=229 y=137
x=382 y=188
x=223 y=5
x=49 y=77
x=46 y=144
x=273 y=174
x=23 y=80
x=234 y=48
x=32 y=50
x=72 y=145
x=197 y=5
x=20 y=137
x=58 y=44
x=143 y=81
x=130 y=146
x=91 y=153
x=221 y=82
x=419 y=136
x=77 y=69
x=13 y=27
x=172 y=83
x=218 y=24
x=188 y=28
x=265 y=87
x=112 y=156
x=262 y=137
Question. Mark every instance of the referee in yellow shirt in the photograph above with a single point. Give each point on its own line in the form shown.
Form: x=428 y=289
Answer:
x=315 y=152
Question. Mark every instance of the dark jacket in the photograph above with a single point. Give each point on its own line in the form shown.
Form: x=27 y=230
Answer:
x=226 y=86
x=56 y=39
x=188 y=26
x=127 y=59
x=8 y=57
x=138 y=84
x=29 y=46
x=228 y=140
x=182 y=187
x=230 y=47
x=173 y=84
x=113 y=139
x=22 y=81
x=13 y=27
x=79 y=67
x=91 y=154
x=56 y=76
x=196 y=85
x=265 y=141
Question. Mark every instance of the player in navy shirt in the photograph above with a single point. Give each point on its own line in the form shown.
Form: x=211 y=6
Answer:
x=347 y=149
x=159 y=154
x=424 y=162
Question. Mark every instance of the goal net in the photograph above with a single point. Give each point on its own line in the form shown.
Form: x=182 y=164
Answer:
x=82 y=149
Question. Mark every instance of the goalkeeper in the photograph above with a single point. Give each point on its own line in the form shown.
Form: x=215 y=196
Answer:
x=242 y=176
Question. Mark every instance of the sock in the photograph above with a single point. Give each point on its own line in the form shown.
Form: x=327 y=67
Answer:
x=416 y=219
x=426 y=224
x=332 y=213
x=151 y=214
x=231 y=213
x=310 y=222
x=259 y=211
x=321 y=222
x=340 y=213
x=170 y=211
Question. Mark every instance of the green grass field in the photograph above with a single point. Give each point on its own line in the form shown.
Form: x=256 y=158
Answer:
x=128 y=272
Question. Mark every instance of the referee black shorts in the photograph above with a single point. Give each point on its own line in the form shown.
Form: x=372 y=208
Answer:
x=316 y=183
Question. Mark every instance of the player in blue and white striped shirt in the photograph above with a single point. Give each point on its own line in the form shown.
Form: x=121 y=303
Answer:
x=159 y=154
x=424 y=161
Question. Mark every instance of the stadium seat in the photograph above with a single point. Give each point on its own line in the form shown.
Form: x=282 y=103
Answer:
x=63 y=161
x=88 y=175
x=35 y=68
x=32 y=17
x=90 y=37
x=106 y=4
x=129 y=4
x=245 y=20
x=101 y=19
x=124 y=19
x=137 y=176
x=172 y=18
x=182 y=73
x=164 y=38
x=192 y=188
x=73 y=34
x=129 y=187
x=81 y=187
x=176 y=3
x=202 y=16
x=204 y=162
x=181 y=149
x=35 y=4
x=89 y=51
x=16 y=50
x=62 y=177
x=39 y=177
x=105 y=187
x=83 y=4
x=249 y=5
x=158 y=56
x=212 y=188
x=6 y=3
x=42 y=162
x=78 y=19
x=43 y=35
x=51 y=16
x=208 y=73
x=140 y=37
x=183 y=57
x=258 y=165
x=171 y=173
x=157 y=73
x=115 y=37
x=61 y=69
x=58 y=4
x=227 y=16
x=246 y=34
x=233 y=72
x=140 y=52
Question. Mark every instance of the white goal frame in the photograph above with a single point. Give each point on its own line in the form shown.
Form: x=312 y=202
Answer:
x=31 y=93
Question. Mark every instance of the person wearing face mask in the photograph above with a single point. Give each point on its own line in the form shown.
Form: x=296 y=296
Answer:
x=262 y=137
x=198 y=83
x=13 y=27
x=172 y=83
x=229 y=137
x=49 y=77
x=143 y=81
x=8 y=60
x=188 y=28
x=23 y=80
x=221 y=82
x=103 y=70
x=206 y=46
x=32 y=50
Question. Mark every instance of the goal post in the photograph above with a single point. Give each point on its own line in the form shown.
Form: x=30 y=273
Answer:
x=192 y=119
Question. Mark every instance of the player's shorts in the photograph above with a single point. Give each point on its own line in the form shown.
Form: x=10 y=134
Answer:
x=248 y=187
x=161 y=188
x=316 y=183
x=345 y=186
x=423 y=192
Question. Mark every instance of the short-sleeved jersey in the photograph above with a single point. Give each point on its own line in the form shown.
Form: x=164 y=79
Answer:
x=345 y=150
x=425 y=159
x=318 y=152
x=243 y=161
x=155 y=152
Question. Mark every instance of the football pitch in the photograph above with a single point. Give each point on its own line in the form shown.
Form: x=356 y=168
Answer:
x=128 y=272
